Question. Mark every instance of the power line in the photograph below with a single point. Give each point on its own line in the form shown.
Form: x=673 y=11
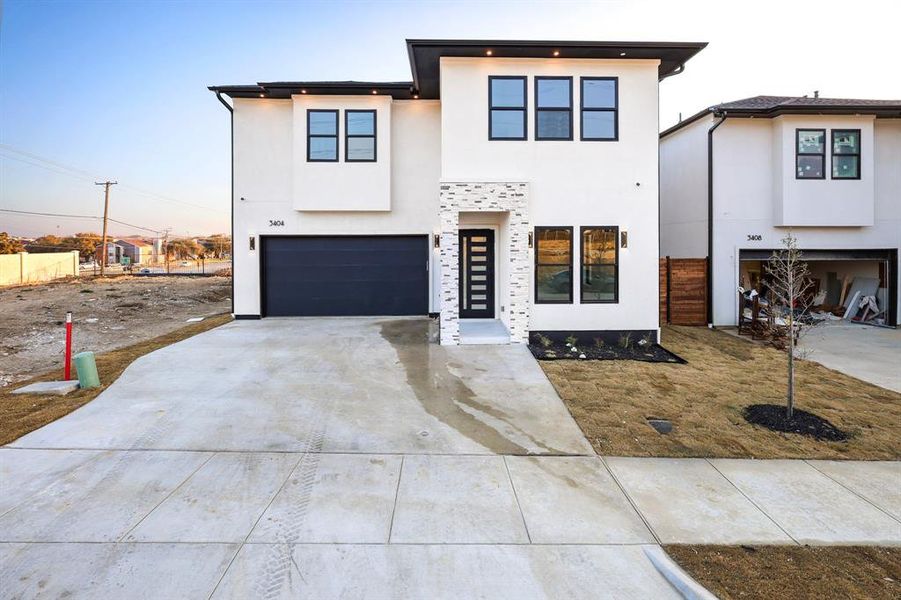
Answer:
x=65 y=216
x=66 y=170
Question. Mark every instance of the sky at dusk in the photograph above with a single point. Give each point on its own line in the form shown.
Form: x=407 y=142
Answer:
x=117 y=90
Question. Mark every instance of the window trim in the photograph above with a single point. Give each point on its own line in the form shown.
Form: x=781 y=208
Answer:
x=374 y=136
x=319 y=135
x=583 y=109
x=798 y=153
x=832 y=155
x=537 y=264
x=569 y=109
x=582 y=264
x=524 y=109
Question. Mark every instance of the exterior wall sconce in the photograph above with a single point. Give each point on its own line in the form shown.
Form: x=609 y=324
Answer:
x=253 y=243
x=531 y=240
x=623 y=239
x=436 y=240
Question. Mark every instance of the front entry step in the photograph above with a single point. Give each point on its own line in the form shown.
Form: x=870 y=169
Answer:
x=483 y=331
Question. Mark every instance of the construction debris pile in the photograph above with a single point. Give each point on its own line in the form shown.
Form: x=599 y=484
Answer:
x=857 y=299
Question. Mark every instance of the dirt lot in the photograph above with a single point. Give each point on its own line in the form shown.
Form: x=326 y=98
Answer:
x=110 y=313
x=612 y=400
x=797 y=572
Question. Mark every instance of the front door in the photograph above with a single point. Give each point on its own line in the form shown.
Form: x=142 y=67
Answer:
x=476 y=274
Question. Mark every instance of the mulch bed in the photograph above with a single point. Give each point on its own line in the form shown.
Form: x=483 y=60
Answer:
x=772 y=417
x=644 y=352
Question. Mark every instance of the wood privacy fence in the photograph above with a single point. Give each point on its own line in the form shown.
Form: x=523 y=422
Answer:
x=683 y=291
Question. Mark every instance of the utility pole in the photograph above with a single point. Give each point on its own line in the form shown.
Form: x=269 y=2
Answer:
x=103 y=252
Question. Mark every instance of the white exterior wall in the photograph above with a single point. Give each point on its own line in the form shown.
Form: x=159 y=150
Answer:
x=266 y=163
x=571 y=183
x=751 y=160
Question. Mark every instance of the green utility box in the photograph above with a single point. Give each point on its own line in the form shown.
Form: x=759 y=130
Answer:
x=86 y=368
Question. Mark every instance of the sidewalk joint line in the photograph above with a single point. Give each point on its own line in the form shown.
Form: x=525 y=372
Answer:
x=852 y=490
x=631 y=502
x=400 y=473
x=522 y=515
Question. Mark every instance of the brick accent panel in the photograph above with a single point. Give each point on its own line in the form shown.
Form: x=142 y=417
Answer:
x=513 y=198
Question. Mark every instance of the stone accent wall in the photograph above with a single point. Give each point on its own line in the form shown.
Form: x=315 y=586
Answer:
x=512 y=198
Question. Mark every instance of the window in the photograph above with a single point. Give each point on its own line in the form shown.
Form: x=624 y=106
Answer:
x=600 y=109
x=506 y=108
x=359 y=136
x=553 y=108
x=846 y=153
x=810 y=156
x=600 y=265
x=322 y=135
x=553 y=265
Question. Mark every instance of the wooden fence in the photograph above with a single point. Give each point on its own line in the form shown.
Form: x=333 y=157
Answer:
x=683 y=291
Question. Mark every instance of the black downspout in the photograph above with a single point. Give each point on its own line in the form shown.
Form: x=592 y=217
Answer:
x=722 y=117
x=231 y=113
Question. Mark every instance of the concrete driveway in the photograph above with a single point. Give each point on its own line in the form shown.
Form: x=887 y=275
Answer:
x=872 y=354
x=320 y=458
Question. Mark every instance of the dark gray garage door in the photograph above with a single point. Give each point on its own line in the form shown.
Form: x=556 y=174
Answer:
x=345 y=275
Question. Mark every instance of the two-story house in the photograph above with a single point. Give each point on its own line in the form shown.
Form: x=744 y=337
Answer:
x=735 y=178
x=510 y=187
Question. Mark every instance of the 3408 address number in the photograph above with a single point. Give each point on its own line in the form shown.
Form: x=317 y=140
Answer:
x=276 y=223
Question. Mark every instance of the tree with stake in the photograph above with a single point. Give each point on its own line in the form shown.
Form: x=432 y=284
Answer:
x=790 y=282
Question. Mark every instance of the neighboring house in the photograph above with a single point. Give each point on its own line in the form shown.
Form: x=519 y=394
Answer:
x=136 y=249
x=114 y=253
x=826 y=170
x=511 y=185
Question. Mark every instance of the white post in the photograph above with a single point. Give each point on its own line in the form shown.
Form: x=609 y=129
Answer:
x=75 y=255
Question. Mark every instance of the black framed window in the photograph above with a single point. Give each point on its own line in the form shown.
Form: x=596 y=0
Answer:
x=553 y=265
x=600 y=265
x=506 y=108
x=810 y=153
x=553 y=108
x=599 y=103
x=322 y=135
x=359 y=136
x=846 y=153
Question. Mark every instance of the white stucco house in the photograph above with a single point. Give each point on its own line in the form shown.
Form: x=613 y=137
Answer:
x=509 y=183
x=735 y=178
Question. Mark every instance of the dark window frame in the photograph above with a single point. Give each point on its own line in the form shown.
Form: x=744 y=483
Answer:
x=583 y=109
x=374 y=136
x=833 y=154
x=524 y=109
x=319 y=135
x=539 y=109
x=537 y=264
x=799 y=154
x=583 y=264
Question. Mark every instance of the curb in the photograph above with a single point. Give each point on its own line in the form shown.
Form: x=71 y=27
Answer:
x=673 y=573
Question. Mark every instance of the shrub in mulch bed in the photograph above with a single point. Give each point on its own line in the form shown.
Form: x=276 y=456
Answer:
x=642 y=352
x=772 y=417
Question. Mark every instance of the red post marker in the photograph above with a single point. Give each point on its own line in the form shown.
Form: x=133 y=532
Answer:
x=68 y=346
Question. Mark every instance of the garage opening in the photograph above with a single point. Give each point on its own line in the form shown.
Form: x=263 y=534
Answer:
x=838 y=276
x=306 y=276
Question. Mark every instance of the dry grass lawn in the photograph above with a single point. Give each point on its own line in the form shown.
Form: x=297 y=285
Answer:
x=22 y=413
x=611 y=401
x=796 y=572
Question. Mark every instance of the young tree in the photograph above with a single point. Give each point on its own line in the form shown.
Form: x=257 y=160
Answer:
x=789 y=285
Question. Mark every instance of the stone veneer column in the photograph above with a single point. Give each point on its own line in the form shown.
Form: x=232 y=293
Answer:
x=494 y=197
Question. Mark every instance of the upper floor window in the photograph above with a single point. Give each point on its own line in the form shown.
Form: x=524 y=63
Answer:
x=359 y=135
x=846 y=153
x=553 y=108
x=506 y=108
x=322 y=135
x=600 y=265
x=810 y=154
x=600 y=108
x=553 y=265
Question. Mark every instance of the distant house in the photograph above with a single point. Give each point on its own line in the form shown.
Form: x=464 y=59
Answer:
x=114 y=253
x=137 y=250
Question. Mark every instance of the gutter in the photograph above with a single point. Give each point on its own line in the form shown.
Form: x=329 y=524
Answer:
x=231 y=114
x=722 y=117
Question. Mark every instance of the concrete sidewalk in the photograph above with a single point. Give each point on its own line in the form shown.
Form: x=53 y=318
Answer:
x=328 y=525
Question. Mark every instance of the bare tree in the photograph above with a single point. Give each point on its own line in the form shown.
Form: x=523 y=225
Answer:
x=790 y=284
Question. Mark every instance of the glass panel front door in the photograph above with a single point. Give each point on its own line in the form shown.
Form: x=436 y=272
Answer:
x=477 y=273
